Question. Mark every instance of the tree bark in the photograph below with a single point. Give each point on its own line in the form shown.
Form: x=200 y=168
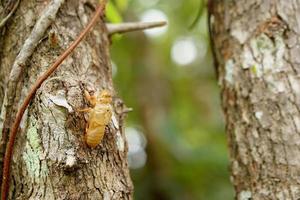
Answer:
x=257 y=49
x=51 y=160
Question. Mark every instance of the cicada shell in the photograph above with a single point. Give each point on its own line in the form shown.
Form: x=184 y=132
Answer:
x=99 y=116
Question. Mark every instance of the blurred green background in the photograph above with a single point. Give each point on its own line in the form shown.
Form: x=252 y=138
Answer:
x=177 y=144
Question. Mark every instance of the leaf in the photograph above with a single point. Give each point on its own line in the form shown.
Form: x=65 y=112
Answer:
x=116 y=37
x=198 y=16
x=112 y=13
x=122 y=4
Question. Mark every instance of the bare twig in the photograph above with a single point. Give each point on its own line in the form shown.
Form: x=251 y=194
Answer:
x=3 y=21
x=132 y=26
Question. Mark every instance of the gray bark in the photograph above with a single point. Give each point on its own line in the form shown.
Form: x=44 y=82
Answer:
x=50 y=158
x=257 y=50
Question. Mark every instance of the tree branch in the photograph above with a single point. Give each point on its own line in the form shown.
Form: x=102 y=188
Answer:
x=132 y=26
x=3 y=21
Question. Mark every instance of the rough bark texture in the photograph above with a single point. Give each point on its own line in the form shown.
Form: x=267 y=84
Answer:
x=258 y=53
x=50 y=159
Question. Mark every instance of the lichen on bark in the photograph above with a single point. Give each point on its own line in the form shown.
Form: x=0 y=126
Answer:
x=36 y=168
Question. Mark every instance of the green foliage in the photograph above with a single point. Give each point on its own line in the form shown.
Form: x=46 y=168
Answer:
x=177 y=107
x=198 y=16
x=112 y=13
x=122 y=4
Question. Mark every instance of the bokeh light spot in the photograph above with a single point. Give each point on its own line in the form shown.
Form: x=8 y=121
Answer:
x=184 y=51
x=114 y=69
x=151 y=16
x=136 y=143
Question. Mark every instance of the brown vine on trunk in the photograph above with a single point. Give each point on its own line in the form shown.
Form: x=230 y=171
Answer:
x=50 y=159
x=257 y=50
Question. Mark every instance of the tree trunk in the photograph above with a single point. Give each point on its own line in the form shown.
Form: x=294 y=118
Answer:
x=258 y=54
x=51 y=160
